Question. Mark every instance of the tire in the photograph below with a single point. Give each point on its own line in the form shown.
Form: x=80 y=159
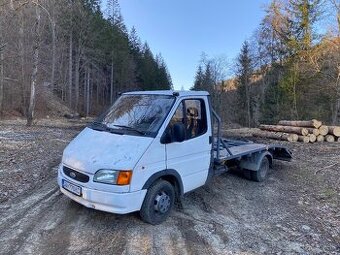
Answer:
x=261 y=174
x=158 y=202
x=247 y=174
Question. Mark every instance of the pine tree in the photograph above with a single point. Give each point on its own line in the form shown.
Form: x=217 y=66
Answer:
x=303 y=15
x=198 y=83
x=244 y=73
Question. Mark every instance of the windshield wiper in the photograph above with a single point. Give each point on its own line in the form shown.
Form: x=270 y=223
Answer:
x=96 y=125
x=100 y=126
x=131 y=128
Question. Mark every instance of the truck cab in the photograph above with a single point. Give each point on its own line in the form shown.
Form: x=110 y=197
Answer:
x=148 y=149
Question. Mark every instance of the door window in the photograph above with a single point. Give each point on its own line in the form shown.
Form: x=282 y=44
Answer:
x=192 y=114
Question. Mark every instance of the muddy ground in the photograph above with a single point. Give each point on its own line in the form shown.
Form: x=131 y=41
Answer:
x=296 y=211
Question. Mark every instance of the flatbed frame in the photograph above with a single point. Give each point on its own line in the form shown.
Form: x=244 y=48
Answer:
x=247 y=153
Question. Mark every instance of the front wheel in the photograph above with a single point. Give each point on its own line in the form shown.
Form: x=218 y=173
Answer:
x=158 y=202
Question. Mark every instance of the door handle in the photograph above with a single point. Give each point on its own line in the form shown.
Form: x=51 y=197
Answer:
x=210 y=139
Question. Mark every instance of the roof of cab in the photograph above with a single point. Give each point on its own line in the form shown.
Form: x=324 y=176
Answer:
x=169 y=93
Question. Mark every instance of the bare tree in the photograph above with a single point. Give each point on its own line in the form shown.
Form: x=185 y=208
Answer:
x=36 y=48
x=2 y=79
x=2 y=46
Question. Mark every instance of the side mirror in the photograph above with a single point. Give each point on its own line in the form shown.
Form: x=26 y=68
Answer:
x=176 y=134
x=179 y=132
x=166 y=137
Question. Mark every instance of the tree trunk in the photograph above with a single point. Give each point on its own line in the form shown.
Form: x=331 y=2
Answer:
x=248 y=103
x=334 y=130
x=70 y=70
x=97 y=87
x=1 y=78
x=276 y=136
x=286 y=129
x=111 y=84
x=88 y=93
x=36 y=45
x=53 y=57
x=301 y=123
x=295 y=92
x=2 y=75
x=77 y=75
x=22 y=63
x=11 y=5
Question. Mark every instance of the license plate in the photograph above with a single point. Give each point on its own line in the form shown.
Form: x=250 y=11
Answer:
x=71 y=187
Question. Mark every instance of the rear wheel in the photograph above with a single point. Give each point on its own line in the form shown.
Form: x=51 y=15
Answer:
x=247 y=174
x=261 y=174
x=158 y=202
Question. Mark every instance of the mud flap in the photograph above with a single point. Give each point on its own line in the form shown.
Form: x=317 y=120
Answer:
x=281 y=153
x=253 y=162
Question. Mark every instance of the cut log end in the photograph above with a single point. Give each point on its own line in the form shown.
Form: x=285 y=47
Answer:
x=312 y=138
x=316 y=123
x=330 y=138
x=323 y=130
x=293 y=138
x=304 y=131
x=320 y=138
x=304 y=139
x=313 y=131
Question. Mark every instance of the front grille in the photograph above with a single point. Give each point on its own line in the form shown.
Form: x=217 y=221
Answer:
x=75 y=175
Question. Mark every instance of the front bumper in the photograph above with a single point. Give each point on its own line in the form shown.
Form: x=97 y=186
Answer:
x=120 y=203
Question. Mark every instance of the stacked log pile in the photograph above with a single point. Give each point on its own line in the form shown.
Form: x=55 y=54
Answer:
x=310 y=131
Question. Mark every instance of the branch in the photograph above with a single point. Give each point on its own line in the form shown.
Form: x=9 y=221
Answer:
x=45 y=10
x=3 y=46
x=10 y=79
x=326 y=167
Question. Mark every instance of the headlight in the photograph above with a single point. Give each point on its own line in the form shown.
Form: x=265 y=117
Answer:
x=115 y=177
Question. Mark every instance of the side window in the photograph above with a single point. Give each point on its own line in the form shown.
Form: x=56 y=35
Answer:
x=178 y=116
x=192 y=114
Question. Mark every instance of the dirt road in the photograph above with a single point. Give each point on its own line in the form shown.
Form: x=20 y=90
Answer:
x=296 y=211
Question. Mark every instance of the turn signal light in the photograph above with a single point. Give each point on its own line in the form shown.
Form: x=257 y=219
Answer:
x=124 y=177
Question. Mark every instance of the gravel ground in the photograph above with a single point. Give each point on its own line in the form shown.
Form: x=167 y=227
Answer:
x=295 y=211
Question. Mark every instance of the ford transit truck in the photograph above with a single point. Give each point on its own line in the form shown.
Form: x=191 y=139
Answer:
x=152 y=147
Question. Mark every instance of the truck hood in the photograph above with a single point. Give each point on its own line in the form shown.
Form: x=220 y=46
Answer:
x=92 y=150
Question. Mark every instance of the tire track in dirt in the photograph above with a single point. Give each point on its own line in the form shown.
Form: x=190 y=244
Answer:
x=14 y=215
x=53 y=235
x=42 y=225
x=24 y=216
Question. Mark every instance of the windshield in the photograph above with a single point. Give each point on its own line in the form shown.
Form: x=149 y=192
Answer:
x=139 y=114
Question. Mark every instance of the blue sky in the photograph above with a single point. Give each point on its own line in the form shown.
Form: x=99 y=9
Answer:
x=182 y=29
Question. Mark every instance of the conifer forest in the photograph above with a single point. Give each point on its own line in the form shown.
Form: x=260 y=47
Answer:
x=72 y=48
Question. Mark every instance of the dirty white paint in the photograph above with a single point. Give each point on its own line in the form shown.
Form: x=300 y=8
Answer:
x=92 y=150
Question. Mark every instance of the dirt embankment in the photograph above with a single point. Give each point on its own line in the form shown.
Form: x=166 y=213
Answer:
x=296 y=211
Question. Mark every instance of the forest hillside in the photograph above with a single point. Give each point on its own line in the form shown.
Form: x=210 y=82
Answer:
x=74 y=50
x=288 y=69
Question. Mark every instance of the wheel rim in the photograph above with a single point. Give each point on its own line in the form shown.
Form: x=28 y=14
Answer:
x=162 y=202
x=264 y=168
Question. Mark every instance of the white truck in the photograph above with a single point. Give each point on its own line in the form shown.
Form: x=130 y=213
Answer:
x=152 y=147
